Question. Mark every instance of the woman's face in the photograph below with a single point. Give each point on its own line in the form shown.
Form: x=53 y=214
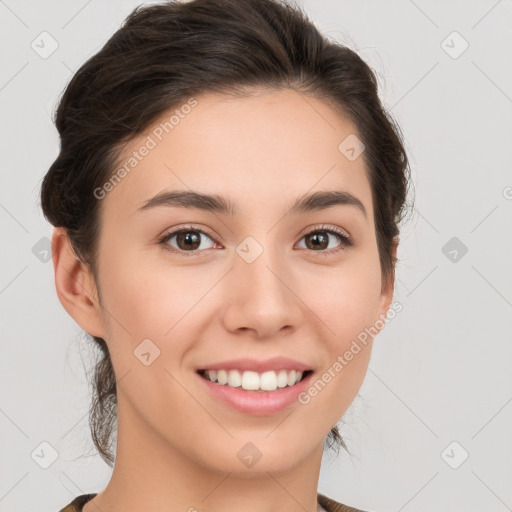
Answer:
x=260 y=283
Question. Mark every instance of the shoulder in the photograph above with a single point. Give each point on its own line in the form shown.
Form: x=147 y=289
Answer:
x=328 y=504
x=77 y=504
x=333 y=506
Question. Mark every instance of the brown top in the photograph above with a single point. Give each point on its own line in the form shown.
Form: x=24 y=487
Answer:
x=326 y=503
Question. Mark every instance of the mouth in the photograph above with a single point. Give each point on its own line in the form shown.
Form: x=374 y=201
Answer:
x=260 y=382
x=255 y=393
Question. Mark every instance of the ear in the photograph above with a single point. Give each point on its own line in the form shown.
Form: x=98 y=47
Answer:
x=387 y=294
x=75 y=285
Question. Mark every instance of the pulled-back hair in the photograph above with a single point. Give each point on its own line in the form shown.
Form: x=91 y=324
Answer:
x=161 y=56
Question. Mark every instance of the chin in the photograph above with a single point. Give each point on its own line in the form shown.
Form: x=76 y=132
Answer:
x=249 y=459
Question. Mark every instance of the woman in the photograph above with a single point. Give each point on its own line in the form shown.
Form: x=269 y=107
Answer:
x=226 y=205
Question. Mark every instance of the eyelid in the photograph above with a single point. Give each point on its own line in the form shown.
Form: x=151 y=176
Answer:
x=325 y=227
x=188 y=227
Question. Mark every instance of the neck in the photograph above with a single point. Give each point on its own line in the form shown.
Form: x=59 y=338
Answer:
x=151 y=474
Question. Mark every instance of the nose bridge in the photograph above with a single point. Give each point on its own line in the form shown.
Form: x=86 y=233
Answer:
x=263 y=299
x=262 y=275
x=257 y=266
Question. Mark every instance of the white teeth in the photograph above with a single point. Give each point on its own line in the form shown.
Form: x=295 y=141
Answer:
x=253 y=381
x=282 y=379
x=234 y=378
x=250 y=380
x=222 y=376
x=268 y=381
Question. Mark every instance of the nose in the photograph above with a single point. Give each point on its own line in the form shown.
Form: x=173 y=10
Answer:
x=260 y=296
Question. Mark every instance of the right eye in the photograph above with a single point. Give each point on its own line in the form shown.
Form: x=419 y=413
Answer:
x=188 y=241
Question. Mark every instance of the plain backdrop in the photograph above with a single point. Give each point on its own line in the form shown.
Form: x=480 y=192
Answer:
x=430 y=428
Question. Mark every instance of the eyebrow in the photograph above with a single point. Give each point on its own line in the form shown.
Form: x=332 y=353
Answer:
x=214 y=203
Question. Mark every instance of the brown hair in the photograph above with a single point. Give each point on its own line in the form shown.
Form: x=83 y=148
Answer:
x=163 y=54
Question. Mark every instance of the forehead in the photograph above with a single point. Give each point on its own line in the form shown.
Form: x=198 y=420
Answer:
x=260 y=150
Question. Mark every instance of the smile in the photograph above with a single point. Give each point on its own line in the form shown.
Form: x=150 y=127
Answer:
x=244 y=391
x=254 y=381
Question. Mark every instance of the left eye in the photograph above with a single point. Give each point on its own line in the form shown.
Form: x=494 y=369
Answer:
x=318 y=240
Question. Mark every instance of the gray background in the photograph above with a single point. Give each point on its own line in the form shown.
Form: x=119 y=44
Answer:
x=440 y=372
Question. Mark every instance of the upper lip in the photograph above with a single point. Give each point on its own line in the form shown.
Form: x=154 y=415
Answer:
x=275 y=363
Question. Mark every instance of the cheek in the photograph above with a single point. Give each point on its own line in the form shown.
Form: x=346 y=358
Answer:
x=347 y=306
x=146 y=298
x=143 y=302
x=346 y=298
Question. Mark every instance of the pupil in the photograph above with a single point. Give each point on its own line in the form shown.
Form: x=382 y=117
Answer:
x=191 y=241
x=315 y=239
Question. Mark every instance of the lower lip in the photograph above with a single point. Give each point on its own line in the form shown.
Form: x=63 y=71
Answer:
x=254 y=402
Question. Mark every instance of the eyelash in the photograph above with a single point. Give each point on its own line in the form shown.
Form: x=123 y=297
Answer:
x=346 y=241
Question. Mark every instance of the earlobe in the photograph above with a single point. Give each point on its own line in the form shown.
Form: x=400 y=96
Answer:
x=75 y=285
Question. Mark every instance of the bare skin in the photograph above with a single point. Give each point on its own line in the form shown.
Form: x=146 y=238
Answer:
x=177 y=444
